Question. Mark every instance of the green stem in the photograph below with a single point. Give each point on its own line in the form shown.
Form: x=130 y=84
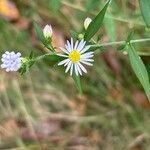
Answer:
x=120 y=43
x=43 y=56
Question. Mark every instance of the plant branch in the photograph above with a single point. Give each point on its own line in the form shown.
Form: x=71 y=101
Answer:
x=119 y=43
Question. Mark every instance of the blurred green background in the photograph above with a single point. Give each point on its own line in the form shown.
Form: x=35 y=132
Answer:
x=42 y=110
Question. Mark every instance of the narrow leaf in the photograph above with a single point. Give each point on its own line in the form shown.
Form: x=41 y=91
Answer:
x=96 y=23
x=39 y=32
x=145 y=9
x=139 y=69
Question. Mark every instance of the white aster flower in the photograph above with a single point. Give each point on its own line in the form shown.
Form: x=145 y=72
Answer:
x=47 y=31
x=87 y=22
x=11 y=61
x=76 y=55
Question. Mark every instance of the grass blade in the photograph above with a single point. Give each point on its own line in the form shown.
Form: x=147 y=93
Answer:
x=145 y=9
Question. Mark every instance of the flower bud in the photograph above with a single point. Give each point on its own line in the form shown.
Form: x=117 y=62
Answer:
x=47 y=31
x=87 y=22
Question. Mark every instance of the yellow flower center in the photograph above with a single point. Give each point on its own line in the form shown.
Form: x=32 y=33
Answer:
x=74 y=56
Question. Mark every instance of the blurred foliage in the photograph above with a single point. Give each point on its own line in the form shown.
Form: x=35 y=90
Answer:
x=43 y=110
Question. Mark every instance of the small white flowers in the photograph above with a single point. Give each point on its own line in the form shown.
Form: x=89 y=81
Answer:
x=76 y=55
x=11 y=61
x=87 y=22
x=47 y=31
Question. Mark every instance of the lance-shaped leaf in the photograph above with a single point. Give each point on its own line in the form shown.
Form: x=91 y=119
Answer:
x=96 y=23
x=139 y=69
x=39 y=32
x=145 y=9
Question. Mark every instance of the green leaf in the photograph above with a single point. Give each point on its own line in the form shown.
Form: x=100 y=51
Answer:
x=110 y=28
x=55 y=5
x=39 y=32
x=96 y=23
x=52 y=60
x=145 y=9
x=77 y=82
x=139 y=69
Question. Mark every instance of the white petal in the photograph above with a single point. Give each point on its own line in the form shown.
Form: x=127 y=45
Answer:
x=87 y=63
x=64 y=50
x=79 y=70
x=3 y=59
x=3 y=66
x=12 y=53
x=87 y=55
x=82 y=67
x=76 y=44
x=71 y=70
x=16 y=69
x=84 y=49
x=4 y=56
x=81 y=45
x=71 y=44
x=18 y=54
x=89 y=60
x=7 y=70
x=67 y=63
x=68 y=67
x=63 y=62
x=68 y=46
x=7 y=52
x=8 y=56
x=76 y=70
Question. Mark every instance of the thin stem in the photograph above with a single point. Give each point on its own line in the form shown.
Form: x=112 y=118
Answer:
x=120 y=43
x=43 y=56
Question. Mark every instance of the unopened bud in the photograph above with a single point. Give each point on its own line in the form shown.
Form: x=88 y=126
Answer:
x=47 y=31
x=87 y=22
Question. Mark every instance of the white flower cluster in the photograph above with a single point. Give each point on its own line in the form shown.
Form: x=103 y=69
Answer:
x=11 y=61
